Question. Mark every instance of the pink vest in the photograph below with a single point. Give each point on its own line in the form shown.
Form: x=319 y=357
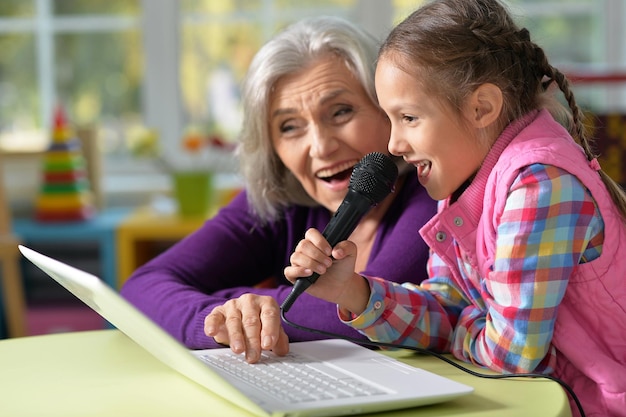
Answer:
x=590 y=330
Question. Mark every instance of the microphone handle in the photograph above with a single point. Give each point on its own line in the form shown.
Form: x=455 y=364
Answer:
x=298 y=288
x=339 y=228
x=346 y=218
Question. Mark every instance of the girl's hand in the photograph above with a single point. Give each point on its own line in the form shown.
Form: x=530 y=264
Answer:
x=248 y=324
x=337 y=282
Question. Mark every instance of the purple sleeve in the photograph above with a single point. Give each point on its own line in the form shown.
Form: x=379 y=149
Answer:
x=399 y=253
x=225 y=258
x=231 y=254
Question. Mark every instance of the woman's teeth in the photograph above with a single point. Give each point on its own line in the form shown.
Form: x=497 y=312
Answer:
x=327 y=173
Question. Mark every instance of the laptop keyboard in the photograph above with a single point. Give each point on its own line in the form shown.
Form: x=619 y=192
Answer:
x=293 y=378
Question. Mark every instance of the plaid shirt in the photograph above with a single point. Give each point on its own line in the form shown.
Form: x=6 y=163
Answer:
x=503 y=321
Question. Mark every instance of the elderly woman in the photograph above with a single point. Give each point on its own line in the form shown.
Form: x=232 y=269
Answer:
x=310 y=114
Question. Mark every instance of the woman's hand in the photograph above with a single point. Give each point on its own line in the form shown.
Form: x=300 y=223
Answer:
x=248 y=324
x=338 y=283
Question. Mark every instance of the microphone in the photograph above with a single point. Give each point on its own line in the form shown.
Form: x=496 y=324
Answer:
x=372 y=179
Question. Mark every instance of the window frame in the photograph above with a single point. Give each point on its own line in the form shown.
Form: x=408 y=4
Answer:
x=159 y=22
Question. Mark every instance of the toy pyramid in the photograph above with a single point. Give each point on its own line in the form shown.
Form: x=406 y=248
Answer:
x=65 y=193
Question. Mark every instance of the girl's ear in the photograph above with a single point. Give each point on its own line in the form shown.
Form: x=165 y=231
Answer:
x=484 y=105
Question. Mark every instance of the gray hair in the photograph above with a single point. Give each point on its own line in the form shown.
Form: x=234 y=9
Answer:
x=269 y=184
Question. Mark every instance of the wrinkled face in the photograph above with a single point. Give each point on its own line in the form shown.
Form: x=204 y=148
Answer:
x=445 y=153
x=322 y=123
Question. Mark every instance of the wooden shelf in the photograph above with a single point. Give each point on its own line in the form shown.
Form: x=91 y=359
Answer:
x=146 y=232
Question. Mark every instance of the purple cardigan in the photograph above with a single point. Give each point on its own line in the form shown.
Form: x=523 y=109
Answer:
x=230 y=254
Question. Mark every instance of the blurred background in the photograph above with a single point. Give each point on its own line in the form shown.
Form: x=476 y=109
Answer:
x=130 y=67
x=143 y=81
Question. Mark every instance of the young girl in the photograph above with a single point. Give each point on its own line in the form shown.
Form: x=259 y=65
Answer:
x=527 y=272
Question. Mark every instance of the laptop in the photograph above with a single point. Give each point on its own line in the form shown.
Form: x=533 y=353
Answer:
x=360 y=380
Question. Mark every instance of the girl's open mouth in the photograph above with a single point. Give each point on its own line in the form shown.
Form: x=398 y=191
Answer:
x=423 y=169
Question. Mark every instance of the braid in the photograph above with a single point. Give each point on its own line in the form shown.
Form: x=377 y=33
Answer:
x=578 y=130
x=577 y=116
x=552 y=74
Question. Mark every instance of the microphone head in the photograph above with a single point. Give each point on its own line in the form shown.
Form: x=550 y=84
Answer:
x=374 y=176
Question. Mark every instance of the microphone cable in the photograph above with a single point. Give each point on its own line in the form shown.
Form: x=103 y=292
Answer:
x=440 y=356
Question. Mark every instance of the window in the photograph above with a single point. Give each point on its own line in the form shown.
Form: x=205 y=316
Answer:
x=583 y=38
x=124 y=65
x=218 y=40
x=85 y=56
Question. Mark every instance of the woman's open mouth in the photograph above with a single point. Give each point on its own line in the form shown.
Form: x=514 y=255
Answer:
x=338 y=174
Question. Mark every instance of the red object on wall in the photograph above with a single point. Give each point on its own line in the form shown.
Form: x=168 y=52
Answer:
x=608 y=130
x=609 y=133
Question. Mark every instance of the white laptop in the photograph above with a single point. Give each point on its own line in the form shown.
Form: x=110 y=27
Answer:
x=357 y=379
